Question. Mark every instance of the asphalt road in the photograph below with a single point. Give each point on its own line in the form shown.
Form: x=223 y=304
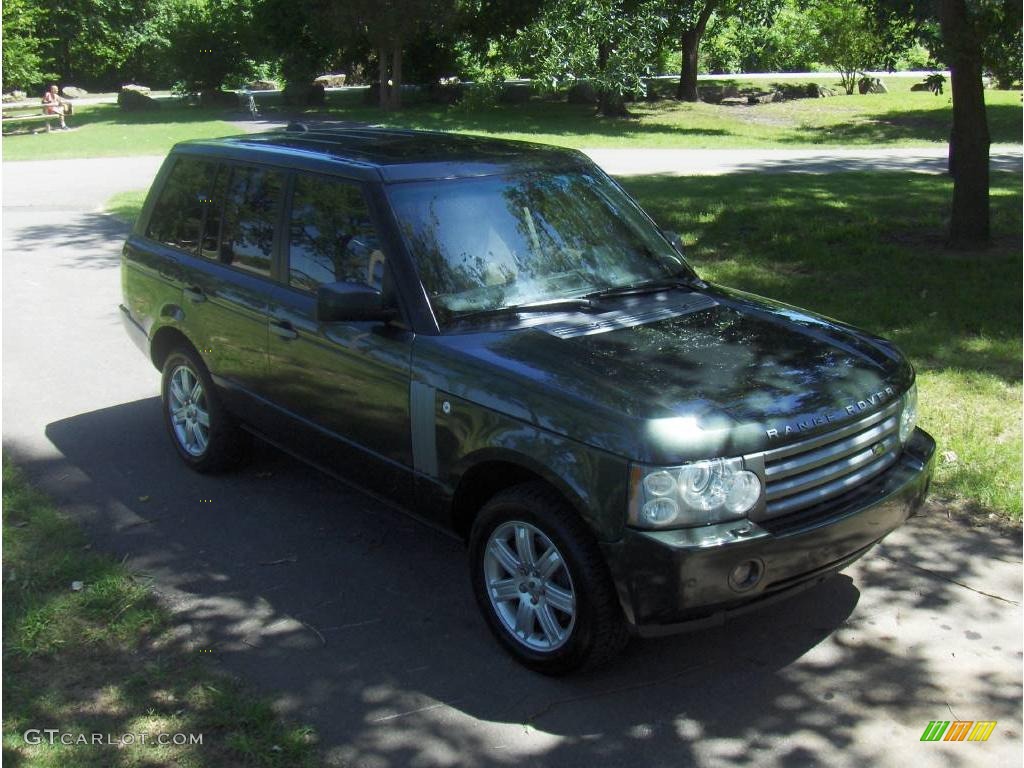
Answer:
x=361 y=622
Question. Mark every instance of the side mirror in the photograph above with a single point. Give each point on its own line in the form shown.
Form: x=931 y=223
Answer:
x=350 y=302
x=677 y=242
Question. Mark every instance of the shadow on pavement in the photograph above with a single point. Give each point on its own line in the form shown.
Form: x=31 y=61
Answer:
x=361 y=621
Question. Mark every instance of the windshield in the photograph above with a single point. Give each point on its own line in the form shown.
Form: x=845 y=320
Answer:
x=501 y=241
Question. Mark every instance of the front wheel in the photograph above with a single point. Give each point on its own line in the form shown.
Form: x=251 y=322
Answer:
x=542 y=584
x=202 y=431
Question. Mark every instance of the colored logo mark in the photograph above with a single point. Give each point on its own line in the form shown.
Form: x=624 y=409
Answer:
x=958 y=730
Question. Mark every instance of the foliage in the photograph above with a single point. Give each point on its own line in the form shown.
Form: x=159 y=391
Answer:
x=23 y=65
x=211 y=42
x=611 y=43
x=848 y=39
x=785 y=42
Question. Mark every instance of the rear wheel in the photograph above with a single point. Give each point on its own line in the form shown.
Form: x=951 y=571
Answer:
x=203 y=432
x=542 y=584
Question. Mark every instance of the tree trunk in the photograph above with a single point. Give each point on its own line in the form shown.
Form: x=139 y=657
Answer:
x=384 y=95
x=396 y=76
x=689 y=44
x=609 y=103
x=969 y=138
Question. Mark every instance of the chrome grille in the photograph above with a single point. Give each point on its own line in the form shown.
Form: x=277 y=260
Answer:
x=813 y=471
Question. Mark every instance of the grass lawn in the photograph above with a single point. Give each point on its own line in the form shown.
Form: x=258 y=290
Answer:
x=898 y=118
x=103 y=130
x=867 y=248
x=100 y=660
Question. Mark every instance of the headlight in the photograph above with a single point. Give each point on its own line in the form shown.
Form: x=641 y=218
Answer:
x=908 y=414
x=701 y=493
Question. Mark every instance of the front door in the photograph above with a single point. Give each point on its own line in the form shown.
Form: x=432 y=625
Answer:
x=346 y=384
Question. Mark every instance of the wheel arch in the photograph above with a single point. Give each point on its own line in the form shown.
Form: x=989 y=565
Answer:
x=487 y=473
x=166 y=339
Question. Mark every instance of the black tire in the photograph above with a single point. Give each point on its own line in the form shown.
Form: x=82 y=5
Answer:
x=597 y=632
x=226 y=444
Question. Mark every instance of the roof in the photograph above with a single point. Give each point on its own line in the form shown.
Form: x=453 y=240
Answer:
x=402 y=155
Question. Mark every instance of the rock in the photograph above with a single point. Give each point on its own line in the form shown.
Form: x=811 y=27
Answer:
x=730 y=91
x=582 y=92
x=73 y=92
x=262 y=85
x=136 y=99
x=15 y=96
x=734 y=101
x=335 y=80
x=137 y=88
x=515 y=93
x=815 y=91
x=871 y=85
x=763 y=98
x=920 y=87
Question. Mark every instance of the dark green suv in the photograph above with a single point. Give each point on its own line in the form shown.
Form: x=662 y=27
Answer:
x=496 y=337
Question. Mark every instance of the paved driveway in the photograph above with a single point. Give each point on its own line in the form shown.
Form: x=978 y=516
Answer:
x=360 y=621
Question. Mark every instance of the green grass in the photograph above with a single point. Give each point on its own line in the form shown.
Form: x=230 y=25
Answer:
x=126 y=206
x=867 y=248
x=104 y=130
x=898 y=118
x=101 y=660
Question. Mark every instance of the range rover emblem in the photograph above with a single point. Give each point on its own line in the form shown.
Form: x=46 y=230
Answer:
x=877 y=449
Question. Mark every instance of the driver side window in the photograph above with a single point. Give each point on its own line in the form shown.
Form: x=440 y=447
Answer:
x=330 y=236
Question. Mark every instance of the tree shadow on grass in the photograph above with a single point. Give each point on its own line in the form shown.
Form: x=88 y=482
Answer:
x=1004 y=121
x=866 y=248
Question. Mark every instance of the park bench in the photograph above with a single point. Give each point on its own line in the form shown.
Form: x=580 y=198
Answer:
x=17 y=120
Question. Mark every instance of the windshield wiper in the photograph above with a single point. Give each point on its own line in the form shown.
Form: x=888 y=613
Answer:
x=648 y=286
x=554 y=305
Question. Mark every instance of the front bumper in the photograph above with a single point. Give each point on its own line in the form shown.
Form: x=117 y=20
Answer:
x=670 y=581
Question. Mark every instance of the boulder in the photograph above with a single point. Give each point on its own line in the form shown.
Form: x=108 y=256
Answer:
x=871 y=85
x=15 y=96
x=262 y=85
x=335 y=80
x=582 y=92
x=764 y=98
x=73 y=92
x=137 y=88
x=815 y=91
x=136 y=99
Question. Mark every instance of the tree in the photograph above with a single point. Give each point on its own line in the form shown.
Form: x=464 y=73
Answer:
x=210 y=42
x=609 y=43
x=848 y=38
x=967 y=28
x=22 y=59
x=689 y=20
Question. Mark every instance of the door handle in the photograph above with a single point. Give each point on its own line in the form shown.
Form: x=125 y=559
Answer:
x=284 y=329
x=195 y=295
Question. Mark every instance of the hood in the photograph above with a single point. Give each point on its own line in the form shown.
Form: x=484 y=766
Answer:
x=741 y=375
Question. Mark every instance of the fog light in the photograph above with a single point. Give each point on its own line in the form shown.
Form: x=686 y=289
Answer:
x=746 y=575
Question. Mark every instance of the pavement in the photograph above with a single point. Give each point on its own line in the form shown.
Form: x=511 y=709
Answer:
x=361 y=622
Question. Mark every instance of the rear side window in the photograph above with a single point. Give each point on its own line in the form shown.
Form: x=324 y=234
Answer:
x=331 y=238
x=178 y=214
x=252 y=202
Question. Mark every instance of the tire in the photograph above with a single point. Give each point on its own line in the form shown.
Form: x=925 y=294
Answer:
x=562 y=614
x=213 y=446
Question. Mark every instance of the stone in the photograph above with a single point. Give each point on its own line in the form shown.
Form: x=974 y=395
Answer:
x=763 y=98
x=14 y=96
x=73 y=92
x=262 y=85
x=137 y=88
x=582 y=92
x=136 y=99
x=335 y=80
x=871 y=85
x=920 y=87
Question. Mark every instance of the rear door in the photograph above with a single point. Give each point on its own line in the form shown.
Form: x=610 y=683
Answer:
x=345 y=384
x=226 y=288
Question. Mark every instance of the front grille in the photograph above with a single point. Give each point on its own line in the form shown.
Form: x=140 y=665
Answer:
x=819 y=469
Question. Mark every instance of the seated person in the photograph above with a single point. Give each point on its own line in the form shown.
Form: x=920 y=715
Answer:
x=53 y=104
